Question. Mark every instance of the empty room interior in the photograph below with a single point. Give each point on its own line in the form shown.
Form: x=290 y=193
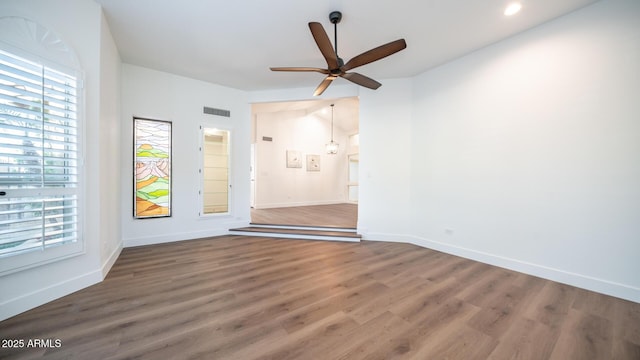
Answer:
x=320 y=180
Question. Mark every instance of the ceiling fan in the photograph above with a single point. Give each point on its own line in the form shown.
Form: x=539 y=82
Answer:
x=335 y=65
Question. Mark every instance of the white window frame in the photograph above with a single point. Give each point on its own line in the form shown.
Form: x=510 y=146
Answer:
x=48 y=254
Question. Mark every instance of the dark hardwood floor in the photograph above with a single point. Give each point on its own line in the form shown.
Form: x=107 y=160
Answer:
x=235 y=297
x=334 y=215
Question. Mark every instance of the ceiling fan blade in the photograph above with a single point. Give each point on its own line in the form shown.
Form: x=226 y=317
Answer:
x=375 y=54
x=323 y=85
x=322 y=71
x=362 y=80
x=324 y=44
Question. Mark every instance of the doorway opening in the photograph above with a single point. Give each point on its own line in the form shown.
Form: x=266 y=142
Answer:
x=294 y=181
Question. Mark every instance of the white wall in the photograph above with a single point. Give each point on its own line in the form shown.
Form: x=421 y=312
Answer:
x=526 y=153
x=279 y=186
x=385 y=161
x=158 y=95
x=110 y=68
x=79 y=24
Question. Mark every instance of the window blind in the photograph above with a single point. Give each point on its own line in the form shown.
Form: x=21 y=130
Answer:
x=38 y=156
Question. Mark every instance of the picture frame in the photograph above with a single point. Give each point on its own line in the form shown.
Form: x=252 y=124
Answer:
x=294 y=159
x=152 y=179
x=313 y=162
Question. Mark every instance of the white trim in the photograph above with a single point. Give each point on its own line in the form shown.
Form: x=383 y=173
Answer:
x=31 y=37
x=33 y=259
x=42 y=296
x=396 y=238
x=106 y=267
x=155 y=239
x=602 y=286
x=210 y=124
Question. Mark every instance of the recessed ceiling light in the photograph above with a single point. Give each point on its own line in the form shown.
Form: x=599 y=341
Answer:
x=512 y=9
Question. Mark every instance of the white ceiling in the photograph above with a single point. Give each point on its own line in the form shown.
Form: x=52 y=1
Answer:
x=233 y=43
x=346 y=111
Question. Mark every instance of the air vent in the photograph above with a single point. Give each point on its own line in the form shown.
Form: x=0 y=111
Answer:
x=267 y=138
x=219 y=112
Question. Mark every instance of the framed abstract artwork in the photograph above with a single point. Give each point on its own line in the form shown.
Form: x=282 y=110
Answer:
x=313 y=162
x=152 y=168
x=294 y=159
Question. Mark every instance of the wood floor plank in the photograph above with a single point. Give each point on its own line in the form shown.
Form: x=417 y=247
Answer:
x=627 y=315
x=425 y=300
x=552 y=304
x=498 y=317
x=300 y=318
x=310 y=342
x=380 y=304
x=428 y=329
x=334 y=215
x=526 y=339
x=584 y=336
x=237 y=297
x=465 y=343
x=380 y=329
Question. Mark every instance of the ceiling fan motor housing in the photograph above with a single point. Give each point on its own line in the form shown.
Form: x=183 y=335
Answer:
x=335 y=17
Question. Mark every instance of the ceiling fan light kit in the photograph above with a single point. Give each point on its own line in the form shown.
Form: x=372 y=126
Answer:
x=336 y=67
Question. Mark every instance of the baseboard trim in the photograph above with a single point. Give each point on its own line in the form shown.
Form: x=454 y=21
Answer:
x=106 y=267
x=602 y=286
x=151 y=240
x=42 y=296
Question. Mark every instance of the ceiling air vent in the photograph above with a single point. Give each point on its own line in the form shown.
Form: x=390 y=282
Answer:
x=219 y=112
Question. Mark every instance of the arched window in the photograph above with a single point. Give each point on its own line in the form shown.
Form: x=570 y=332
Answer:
x=40 y=146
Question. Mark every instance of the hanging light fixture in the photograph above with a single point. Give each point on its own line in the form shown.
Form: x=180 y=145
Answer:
x=332 y=147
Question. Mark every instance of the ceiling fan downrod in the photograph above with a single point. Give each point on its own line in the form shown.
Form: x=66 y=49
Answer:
x=335 y=17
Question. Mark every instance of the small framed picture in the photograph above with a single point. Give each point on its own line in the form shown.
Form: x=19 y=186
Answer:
x=294 y=159
x=313 y=162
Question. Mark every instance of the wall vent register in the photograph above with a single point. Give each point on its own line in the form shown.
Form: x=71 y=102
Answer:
x=218 y=112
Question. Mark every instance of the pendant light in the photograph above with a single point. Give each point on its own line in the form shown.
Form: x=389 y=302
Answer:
x=332 y=147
